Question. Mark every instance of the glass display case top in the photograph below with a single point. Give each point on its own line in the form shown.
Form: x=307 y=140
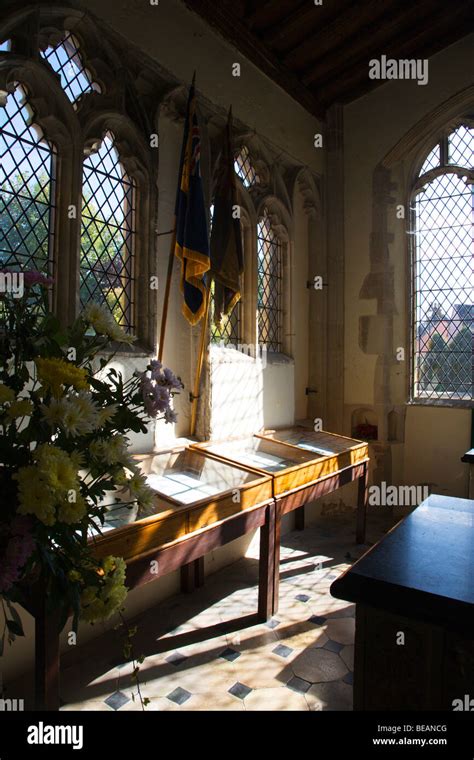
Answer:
x=320 y=442
x=188 y=476
x=260 y=453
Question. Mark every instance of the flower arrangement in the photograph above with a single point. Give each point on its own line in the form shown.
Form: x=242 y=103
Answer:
x=64 y=416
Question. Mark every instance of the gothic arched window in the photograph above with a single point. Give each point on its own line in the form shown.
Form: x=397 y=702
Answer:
x=442 y=275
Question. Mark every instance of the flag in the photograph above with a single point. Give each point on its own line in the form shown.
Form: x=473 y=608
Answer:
x=227 y=260
x=192 y=241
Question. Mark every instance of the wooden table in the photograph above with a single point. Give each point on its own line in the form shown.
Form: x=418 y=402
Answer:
x=414 y=591
x=313 y=465
x=176 y=536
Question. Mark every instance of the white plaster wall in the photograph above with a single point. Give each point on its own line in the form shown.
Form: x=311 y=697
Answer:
x=181 y=42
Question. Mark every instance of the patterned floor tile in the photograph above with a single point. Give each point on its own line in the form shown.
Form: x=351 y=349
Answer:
x=197 y=659
x=341 y=630
x=298 y=684
x=239 y=690
x=329 y=696
x=116 y=700
x=179 y=696
x=317 y=665
x=278 y=699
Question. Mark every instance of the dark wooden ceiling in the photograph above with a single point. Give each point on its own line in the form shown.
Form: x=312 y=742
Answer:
x=320 y=53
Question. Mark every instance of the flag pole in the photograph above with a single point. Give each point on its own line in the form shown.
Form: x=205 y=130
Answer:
x=195 y=394
x=169 y=276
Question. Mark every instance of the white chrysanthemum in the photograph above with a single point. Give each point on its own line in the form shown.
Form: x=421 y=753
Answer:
x=76 y=415
x=55 y=412
x=104 y=323
x=106 y=414
x=85 y=405
x=111 y=451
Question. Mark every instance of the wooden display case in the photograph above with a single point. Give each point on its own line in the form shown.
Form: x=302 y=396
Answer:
x=201 y=504
x=290 y=467
x=339 y=460
x=335 y=451
x=192 y=493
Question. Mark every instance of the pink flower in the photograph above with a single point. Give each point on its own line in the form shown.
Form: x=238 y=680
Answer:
x=37 y=278
x=18 y=550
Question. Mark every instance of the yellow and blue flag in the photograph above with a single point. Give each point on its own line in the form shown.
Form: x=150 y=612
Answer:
x=192 y=241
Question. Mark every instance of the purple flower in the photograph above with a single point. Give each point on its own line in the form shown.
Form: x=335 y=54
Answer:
x=170 y=415
x=171 y=379
x=161 y=398
x=36 y=278
x=18 y=550
x=155 y=369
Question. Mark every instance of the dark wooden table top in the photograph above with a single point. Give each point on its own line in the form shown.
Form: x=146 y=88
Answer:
x=423 y=568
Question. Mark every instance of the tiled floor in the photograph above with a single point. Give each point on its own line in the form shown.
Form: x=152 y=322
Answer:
x=205 y=651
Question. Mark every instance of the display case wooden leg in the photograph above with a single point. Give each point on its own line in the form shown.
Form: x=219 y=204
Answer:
x=299 y=518
x=266 y=573
x=276 y=573
x=199 y=571
x=46 y=658
x=362 y=497
x=188 y=577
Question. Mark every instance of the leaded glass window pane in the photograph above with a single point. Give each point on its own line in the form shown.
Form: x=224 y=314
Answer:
x=269 y=285
x=107 y=236
x=26 y=189
x=66 y=60
x=244 y=168
x=443 y=280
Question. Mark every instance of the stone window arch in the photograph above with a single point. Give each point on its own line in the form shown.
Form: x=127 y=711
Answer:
x=81 y=88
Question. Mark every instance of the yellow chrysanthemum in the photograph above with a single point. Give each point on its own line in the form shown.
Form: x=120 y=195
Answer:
x=6 y=394
x=56 y=465
x=100 y=601
x=72 y=511
x=34 y=495
x=20 y=408
x=50 y=488
x=55 y=373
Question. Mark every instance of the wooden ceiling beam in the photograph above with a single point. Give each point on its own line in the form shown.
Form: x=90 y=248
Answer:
x=269 y=12
x=375 y=41
x=443 y=31
x=349 y=24
x=218 y=16
x=296 y=27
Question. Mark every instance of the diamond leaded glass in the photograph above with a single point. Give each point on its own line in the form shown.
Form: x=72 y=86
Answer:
x=461 y=147
x=107 y=235
x=244 y=168
x=269 y=282
x=443 y=290
x=66 y=60
x=26 y=189
x=431 y=161
x=228 y=331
